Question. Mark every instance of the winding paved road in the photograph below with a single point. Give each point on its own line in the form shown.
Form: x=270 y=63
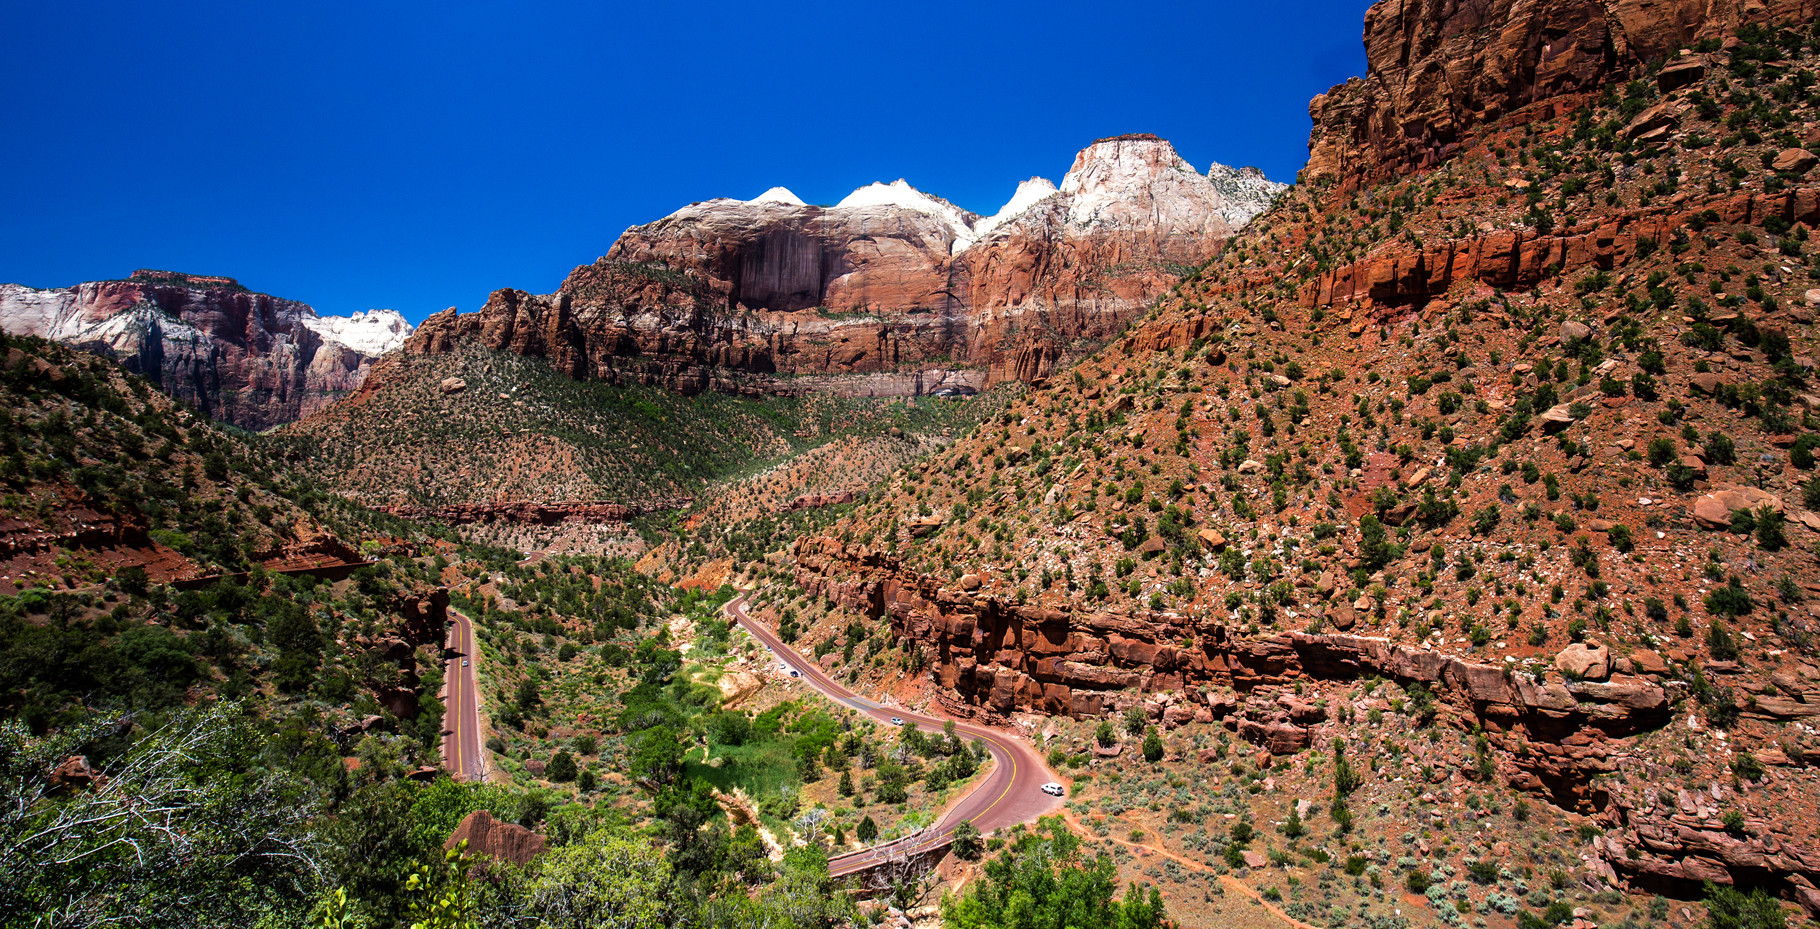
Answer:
x=461 y=750
x=1011 y=794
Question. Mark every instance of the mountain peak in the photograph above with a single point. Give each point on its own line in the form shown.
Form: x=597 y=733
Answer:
x=900 y=194
x=1029 y=193
x=781 y=195
x=1130 y=180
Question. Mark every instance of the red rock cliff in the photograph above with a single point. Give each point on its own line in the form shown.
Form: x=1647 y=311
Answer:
x=245 y=358
x=1438 y=69
x=891 y=282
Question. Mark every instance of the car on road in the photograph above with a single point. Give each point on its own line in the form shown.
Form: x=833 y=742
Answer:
x=1054 y=790
x=897 y=721
x=464 y=662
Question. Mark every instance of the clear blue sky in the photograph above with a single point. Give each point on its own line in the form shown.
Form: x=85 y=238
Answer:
x=418 y=156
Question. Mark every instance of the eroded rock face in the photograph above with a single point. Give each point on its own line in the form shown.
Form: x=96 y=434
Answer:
x=488 y=837
x=1666 y=838
x=999 y=657
x=249 y=359
x=1437 y=70
x=1399 y=274
x=531 y=513
x=892 y=283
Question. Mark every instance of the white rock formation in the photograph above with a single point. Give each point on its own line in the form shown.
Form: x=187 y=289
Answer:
x=245 y=358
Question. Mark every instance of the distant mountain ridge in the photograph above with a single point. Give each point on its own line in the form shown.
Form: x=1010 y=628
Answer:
x=245 y=358
x=892 y=284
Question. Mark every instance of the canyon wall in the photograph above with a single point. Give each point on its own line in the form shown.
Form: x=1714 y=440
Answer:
x=249 y=359
x=892 y=283
x=1439 y=70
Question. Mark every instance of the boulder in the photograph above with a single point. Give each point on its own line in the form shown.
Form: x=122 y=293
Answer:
x=1212 y=539
x=1575 y=331
x=452 y=385
x=73 y=772
x=1301 y=711
x=1589 y=663
x=1794 y=161
x=923 y=526
x=1343 y=615
x=1714 y=510
x=1654 y=122
x=491 y=838
x=1558 y=417
x=1681 y=74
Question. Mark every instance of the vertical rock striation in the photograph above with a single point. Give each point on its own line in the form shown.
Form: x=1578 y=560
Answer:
x=245 y=358
x=892 y=283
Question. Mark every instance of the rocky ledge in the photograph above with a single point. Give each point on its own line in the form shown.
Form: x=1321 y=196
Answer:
x=525 y=512
x=1439 y=73
x=998 y=657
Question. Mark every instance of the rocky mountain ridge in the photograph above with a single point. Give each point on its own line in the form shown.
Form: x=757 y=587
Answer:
x=249 y=359
x=894 y=285
x=1512 y=410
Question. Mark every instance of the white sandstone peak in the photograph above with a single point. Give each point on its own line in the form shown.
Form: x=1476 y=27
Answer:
x=1029 y=193
x=900 y=194
x=778 y=195
x=369 y=332
x=1141 y=182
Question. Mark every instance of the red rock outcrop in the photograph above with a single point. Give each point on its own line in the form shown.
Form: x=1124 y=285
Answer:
x=891 y=283
x=115 y=540
x=998 y=657
x=1438 y=70
x=525 y=512
x=245 y=358
x=490 y=838
x=1664 y=839
x=1402 y=275
x=812 y=501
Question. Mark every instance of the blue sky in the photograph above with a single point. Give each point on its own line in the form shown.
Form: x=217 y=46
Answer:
x=419 y=156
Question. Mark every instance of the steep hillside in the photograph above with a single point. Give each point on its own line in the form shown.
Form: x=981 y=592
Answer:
x=1523 y=425
x=478 y=431
x=236 y=356
x=101 y=473
x=260 y=746
x=895 y=291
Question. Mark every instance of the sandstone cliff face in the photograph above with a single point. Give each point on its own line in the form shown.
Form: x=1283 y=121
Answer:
x=249 y=359
x=1439 y=70
x=892 y=283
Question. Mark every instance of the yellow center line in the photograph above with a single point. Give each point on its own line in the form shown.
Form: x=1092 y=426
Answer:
x=990 y=738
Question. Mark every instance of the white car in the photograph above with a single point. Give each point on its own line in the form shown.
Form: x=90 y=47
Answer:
x=1054 y=790
x=897 y=721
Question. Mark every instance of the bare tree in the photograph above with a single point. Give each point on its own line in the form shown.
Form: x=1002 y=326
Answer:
x=809 y=825
x=164 y=837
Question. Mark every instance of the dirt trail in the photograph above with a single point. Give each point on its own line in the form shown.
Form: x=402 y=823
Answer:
x=1230 y=882
x=739 y=808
